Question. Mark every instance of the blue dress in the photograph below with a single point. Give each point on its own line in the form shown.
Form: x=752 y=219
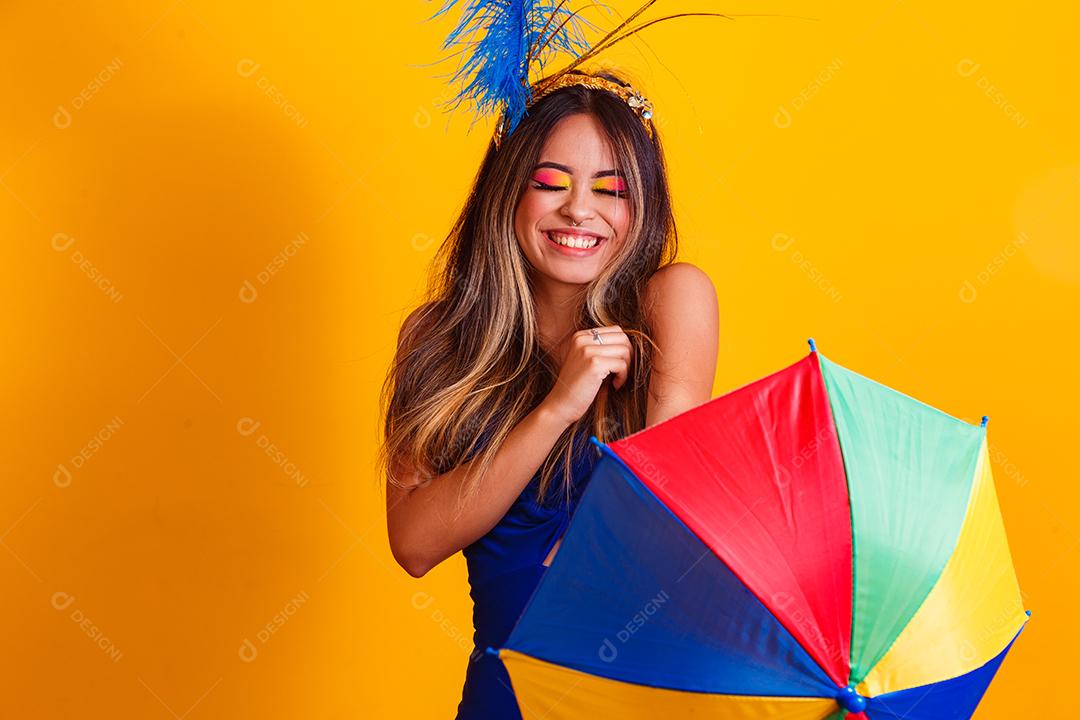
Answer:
x=504 y=567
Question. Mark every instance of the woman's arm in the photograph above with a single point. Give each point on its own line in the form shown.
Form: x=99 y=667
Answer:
x=683 y=313
x=422 y=529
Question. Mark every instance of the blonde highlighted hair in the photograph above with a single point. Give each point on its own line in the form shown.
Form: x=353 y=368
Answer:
x=469 y=364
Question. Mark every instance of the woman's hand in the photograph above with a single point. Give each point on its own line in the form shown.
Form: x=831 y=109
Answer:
x=586 y=365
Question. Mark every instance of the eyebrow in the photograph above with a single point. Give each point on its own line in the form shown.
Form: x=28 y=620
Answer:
x=565 y=169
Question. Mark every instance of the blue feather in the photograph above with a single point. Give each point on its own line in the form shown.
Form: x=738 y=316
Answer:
x=496 y=37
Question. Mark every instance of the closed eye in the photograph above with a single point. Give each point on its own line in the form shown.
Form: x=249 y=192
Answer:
x=542 y=186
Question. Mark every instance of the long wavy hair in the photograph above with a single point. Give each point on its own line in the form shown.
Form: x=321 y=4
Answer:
x=471 y=367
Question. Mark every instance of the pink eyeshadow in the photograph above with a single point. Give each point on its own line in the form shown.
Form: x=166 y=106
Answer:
x=550 y=176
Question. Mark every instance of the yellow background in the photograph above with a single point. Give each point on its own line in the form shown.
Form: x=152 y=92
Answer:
x=215 y=217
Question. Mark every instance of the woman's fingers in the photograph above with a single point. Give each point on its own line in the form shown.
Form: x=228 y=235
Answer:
x=614 y=346
x=621 y=368
x=612 y=335
x=620 y=376
x=611 y=360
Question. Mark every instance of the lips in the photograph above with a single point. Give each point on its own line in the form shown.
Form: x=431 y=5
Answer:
x=575 y=231
x=573 y=251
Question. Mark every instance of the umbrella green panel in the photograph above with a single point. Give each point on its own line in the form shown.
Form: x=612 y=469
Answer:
x=910 y=470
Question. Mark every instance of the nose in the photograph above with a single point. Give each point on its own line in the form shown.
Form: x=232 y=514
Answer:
x=578 y=207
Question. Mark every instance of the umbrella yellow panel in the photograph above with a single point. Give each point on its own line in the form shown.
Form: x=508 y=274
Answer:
x=972 y=612
x=546 y=691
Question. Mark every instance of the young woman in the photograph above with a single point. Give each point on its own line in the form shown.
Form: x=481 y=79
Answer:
x=557 y=312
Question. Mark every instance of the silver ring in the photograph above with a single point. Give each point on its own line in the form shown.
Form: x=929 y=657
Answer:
x=596 y=336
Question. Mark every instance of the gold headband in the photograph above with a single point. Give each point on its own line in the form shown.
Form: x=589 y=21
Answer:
x=637 y=102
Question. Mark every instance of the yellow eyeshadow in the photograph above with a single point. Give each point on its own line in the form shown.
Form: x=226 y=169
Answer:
x=611 y=183
x=559 y=179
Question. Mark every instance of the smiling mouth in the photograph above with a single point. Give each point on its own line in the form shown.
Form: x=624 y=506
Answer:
x=571 y=242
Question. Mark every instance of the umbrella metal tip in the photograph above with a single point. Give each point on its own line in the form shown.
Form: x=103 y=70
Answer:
x=491 y=651
x=985 y=419
x=813 y=346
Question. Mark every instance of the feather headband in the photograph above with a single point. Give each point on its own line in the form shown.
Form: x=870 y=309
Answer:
x=504 y=41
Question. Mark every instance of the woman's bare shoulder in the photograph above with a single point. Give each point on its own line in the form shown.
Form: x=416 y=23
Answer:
x=682 y=279
x=684 y=319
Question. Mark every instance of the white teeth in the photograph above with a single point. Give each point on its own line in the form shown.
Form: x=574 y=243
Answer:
x=574 y=241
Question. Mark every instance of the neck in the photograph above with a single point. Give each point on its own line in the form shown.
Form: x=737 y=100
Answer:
x=557 y=308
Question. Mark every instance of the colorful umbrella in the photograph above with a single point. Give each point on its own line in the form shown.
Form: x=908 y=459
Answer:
x=811 y=545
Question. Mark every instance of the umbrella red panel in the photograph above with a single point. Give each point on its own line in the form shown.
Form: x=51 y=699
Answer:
x=762 y=484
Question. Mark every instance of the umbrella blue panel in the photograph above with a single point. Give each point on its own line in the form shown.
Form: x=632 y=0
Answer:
x=634 y=595
x=953 y=699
